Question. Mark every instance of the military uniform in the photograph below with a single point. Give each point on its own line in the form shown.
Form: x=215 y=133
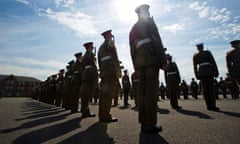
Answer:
x=59 y=87
x=126 y=87
x=173 y=80
x=194 y=88
x=110 y=73
x=67 y=87
x=205 y=69
x=148 y=56
x=222 y=87
x=89 y=79
x=134 y=78
x=76 y=82
x=184 y=88
x=233 y=60
x=162 y=91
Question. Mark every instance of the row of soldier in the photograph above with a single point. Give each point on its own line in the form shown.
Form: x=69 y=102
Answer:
x=148 y=56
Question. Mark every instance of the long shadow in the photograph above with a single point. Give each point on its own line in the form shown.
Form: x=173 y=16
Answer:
x=151 y=139
x=48 y=133
x=233 y=114
x=95 y=134
x=36 y=123
x=43 y=114
x=194 y=113
x=34 y=106
x=41 y=111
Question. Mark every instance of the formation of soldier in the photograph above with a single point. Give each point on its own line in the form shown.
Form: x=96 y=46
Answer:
x=81 y=78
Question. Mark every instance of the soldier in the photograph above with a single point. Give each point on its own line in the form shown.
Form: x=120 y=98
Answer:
x=232 y=86
x=135 y=81
x=67 y=87
x=205 y=69
x=173 y=80
x=89 y=79
x=59 y=87
x=184 y=88
x=148 y=56
x=162 y=90
x=222 y=87
x=110 y=72
x=76 y=82
x=233 y=60
x=194 y=88
x=52 y=89
x=126 y=87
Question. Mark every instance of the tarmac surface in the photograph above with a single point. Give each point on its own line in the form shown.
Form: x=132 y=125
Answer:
x=27 y=121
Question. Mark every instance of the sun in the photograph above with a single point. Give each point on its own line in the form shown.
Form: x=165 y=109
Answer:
x=125 y=9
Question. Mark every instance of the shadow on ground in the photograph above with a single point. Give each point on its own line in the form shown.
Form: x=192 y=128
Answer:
x=95 y=134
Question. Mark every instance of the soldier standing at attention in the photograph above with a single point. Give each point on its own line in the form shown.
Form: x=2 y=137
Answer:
x=126 y=87
x=223 y=87
x=173 y=80
x=76 y=82
x=59 y=95
x=205 y=69
x=89 y=79
x=233 y=61
x=162 y=91
x=134 y=78
x=110 y=72
x=67 y=86
x=194 y=88
x=184 y=88
x=148 y=56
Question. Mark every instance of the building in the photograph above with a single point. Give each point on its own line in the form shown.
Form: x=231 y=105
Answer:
x=13 y=85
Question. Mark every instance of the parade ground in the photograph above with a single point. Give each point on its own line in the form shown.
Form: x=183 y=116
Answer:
x=27 y=121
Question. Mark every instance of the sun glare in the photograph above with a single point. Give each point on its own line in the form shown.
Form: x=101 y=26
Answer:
x=125 y=9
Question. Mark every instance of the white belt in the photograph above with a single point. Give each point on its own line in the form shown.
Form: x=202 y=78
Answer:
x=203 y=64
x=87 y=67
x=105 y=58
x=69 y=76
x=143 y=41
x=135 y=80
x=171 y=73
x=76 y=72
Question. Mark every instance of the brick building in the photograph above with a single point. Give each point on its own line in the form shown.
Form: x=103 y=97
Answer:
x=13 y=85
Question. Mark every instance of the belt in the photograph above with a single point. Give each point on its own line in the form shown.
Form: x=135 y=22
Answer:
x=143 y=41
x=87 y=67
x=171 y=73
x=76 y=72
x=203 y=64
x=69 y=76
x=135 y=80
x=105 y=58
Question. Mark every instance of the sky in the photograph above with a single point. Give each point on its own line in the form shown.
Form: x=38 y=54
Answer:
x=39 y=37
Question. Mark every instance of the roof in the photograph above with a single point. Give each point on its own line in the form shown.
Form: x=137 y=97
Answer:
x=20 y=78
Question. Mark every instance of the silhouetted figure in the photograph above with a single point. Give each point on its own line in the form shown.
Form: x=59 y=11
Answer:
x=233 y=60
x=59 y=87
x=184 y=88
x=148 y=56
x=110 y=72
x=162 y=91
x=76 y=82
x=173 y=80
x=126 y=87
x=135 y=81
x=194 y=88
x=205 y=69
x=89 y=79
x=223 y=87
